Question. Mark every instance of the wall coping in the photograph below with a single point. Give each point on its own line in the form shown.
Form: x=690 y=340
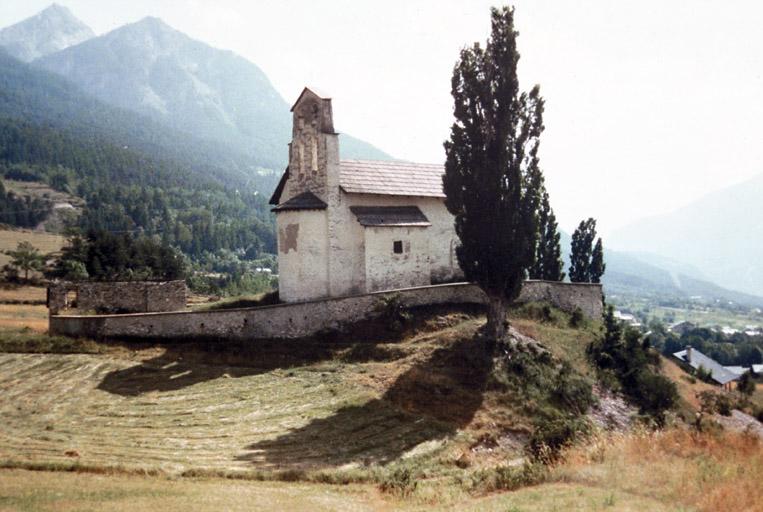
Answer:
x=313 y=301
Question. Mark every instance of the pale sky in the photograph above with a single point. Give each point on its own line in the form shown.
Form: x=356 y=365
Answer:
x=649 y=104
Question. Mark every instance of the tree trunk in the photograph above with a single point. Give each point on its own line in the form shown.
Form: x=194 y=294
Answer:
x=495 y=328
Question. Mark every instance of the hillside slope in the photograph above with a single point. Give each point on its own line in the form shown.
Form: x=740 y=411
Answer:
x=153 y=69
x=644 y=275
x=720 y=234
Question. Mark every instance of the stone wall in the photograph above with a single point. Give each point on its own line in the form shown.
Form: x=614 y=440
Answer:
x=298 y=320
x=118 y=297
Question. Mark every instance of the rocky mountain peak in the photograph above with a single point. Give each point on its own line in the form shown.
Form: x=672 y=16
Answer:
x=49 y=31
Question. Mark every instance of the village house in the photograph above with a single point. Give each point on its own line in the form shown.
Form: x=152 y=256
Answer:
x=347 y=227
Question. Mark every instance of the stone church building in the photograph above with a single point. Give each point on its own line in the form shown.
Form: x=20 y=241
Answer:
x=347 y=227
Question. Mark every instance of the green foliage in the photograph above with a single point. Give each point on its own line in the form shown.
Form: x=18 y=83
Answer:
x=704 y=374
x=104 y=256
x=586 y=261
x=548 y=251
x=25 y=258
x=623 y=357
x=401 y=482
x=578 y=319
x=550 y=438
x=712 y=402
x=746 y=384
x=492 y=175
x=391 y=310
x=597 y=266
x=508 y=478
x=22 y=211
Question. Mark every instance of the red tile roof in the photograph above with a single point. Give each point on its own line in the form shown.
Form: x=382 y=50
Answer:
x=391 y=178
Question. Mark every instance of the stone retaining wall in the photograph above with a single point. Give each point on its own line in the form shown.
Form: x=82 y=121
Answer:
x=298 y=320
x=118 y=297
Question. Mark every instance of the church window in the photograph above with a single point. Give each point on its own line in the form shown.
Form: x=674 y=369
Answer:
x=397 y=247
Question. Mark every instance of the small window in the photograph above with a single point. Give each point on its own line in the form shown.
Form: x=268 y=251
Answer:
x=397 y=246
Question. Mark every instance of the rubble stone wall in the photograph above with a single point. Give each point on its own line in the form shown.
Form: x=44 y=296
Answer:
x=118 y=297
x=303 y=319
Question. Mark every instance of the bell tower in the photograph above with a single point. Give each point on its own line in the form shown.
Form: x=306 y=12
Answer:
x=313 y=147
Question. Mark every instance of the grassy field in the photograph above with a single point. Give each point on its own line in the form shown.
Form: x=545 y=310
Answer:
x=45 y=242
x=19 y=316
x=205 y=427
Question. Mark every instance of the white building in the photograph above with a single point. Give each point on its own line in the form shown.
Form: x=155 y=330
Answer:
x=351 y=226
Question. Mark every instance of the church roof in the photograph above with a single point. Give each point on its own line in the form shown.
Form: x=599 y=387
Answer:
x=375 y=216
x=391 y=178
x=303 y=201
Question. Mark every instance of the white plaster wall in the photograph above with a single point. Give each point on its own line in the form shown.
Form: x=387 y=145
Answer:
x=302 y=255
x=349 y=253
x=387 y=270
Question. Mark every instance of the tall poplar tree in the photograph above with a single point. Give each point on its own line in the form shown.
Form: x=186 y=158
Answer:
x=548 y=264
x=492 y=176
x=586 y=260
x=597 y=267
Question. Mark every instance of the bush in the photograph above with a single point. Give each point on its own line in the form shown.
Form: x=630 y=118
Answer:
x=572 y=391
x=401 y=482
x=746 y=384
x=715 y=403
x=392 y=311
x=624 y=356
x=577 y=319
x=654 y=394
x=551 y=437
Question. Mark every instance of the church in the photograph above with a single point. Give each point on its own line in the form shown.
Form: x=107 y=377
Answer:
x=347 y=227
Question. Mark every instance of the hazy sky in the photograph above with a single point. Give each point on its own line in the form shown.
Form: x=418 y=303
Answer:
x=649 y=104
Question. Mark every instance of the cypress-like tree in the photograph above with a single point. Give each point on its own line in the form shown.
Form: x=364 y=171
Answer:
x=492 y=176
x=597 y=267
x=548 y=253
x=581 y=249
x=586 y=261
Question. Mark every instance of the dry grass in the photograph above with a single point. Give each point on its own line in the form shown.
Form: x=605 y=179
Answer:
x=17 y=294
x=81 y=491
x=19 y=316
x=713 y=472
x=45 y=242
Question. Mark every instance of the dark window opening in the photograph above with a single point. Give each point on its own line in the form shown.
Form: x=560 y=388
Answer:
x=397 y=246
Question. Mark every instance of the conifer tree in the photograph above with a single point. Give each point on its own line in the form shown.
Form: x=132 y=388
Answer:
x=492 y=176
x=548 y=253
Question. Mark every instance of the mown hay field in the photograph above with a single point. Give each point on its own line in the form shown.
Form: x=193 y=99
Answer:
x=208 y=426
x=45 y=242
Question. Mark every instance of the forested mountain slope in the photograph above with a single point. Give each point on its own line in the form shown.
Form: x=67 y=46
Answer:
x=151 y=68
x=131 y=171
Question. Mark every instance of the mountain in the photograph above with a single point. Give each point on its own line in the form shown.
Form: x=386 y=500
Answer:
x=644 y=275
x=46 y=99
x=50 y=31
x=153 y=69
x=720 y=234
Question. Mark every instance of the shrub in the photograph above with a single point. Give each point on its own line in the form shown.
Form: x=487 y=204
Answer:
x=624 y=356
x=391 y=310
x=715 y=403
x=746 y=384
x=401 y=482
x=551 y=437
x=655 y=394
x=572 y=391
x=577 y=319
